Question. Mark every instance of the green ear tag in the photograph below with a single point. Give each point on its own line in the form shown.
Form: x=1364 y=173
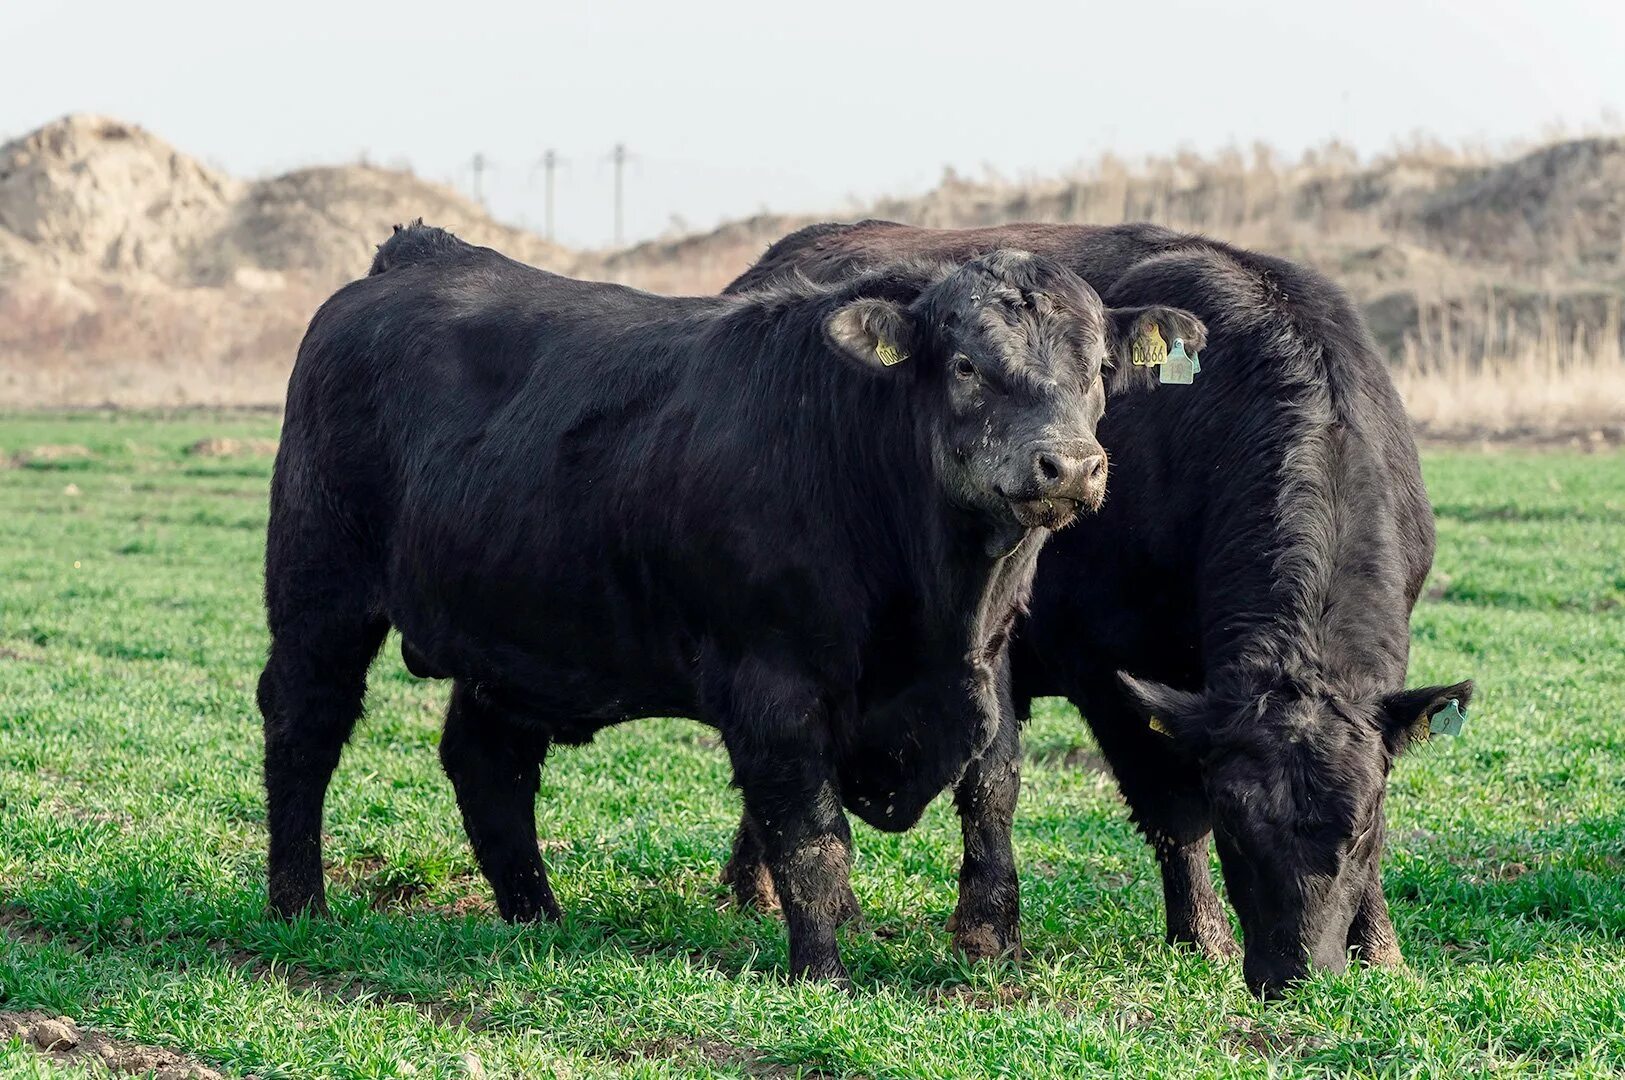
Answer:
x=890 y=355
x=1159 y=727
x=1448 y=720
x=1149 y=350
x=1196 y=363
x=1180 y=368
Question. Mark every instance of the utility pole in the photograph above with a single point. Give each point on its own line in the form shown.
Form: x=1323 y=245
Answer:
x=618 y=156
x=550 y=161
x=480 y=165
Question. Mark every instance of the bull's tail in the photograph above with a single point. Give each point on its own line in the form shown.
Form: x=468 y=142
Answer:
x=414 y=243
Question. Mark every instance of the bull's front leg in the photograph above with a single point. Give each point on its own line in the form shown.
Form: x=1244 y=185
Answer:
x=778 y=737
x=1371 y=935
x=987 y=921
x=494 y=760
x=748 y=876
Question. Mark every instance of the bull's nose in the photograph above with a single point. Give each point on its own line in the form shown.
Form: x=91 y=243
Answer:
x=1080 y=477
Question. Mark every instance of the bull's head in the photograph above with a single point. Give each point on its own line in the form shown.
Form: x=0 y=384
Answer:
x=1007 y=352
x=1296 y=778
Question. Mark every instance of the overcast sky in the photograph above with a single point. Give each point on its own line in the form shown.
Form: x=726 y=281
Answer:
x=734 y=107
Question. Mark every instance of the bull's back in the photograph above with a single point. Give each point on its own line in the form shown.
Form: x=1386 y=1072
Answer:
x=1190 y=465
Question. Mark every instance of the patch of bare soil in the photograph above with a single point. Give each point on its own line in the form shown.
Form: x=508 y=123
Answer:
x=220 y=446
x=65 y=1043
x=1002 y=996
x=710 y=1051
x=49 y=455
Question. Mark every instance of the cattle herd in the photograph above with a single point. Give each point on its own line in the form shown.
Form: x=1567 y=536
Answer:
x=853 y=514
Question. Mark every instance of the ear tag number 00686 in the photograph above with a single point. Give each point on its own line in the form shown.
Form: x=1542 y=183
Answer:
x=890 y=355
x=1149 y=350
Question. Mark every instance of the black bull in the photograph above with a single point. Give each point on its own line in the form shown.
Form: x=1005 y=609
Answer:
x=807 y=517
x=1253 y=570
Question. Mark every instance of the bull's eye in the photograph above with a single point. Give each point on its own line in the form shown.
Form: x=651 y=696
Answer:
x=963 y=367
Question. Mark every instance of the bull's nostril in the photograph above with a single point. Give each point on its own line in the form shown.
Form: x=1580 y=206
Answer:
x=1049 y=468
x=1095 y=468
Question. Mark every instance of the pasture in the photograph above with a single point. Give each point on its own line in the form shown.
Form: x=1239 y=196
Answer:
x=132 y=836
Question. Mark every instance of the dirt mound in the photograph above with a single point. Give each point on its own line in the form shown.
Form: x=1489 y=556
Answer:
x=131 y=273
x=327 y=222
x=61 y=1041
x=87 y=195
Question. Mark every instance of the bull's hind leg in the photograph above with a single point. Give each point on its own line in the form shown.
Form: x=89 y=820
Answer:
x=495 y=761
x=987 y=921
x=310 y=695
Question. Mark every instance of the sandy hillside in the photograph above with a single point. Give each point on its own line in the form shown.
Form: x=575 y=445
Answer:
x=134 y=274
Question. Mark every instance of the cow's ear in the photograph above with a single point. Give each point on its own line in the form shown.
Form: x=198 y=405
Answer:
x=876 y=334
x=1408 y=715
x=1155 y=328
x=1171 y=712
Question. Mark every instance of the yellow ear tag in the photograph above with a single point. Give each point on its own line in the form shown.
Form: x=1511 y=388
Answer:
x=1160 y=728
x=1149 y=350
x=890 y=355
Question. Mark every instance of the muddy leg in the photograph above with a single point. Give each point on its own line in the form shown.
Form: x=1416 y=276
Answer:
x=1371 y=934
x=747 y=871
x=987 y=921
x=778 y=738
x=752 y=881
x=494 y=762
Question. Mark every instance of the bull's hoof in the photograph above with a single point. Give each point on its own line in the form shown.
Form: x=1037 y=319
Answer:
x=291 y=903
x=1208 y=932
x=826 y=971
x=1384 y=955
x=533 y=908
x=981 y=941
x=1217 y=945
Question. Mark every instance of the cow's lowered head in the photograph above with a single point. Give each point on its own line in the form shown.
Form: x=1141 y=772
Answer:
x=1008 y=349
x=1295 y=777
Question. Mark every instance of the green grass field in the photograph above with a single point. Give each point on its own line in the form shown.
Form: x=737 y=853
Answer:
x=132 y=861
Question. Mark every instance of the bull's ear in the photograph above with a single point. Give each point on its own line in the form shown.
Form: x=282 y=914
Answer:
x=877 y=334
x=1155 y=327
x=1408 y=715
x=1175 y=713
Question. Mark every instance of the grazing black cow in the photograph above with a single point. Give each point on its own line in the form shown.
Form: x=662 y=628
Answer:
x=1253 y=573
x=807 y=518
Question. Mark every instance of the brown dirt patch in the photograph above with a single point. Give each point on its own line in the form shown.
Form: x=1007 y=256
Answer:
x=217 y=447
x=710 y=1051
x=1000 y=997
x=50 y=454
x=64 y=1042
